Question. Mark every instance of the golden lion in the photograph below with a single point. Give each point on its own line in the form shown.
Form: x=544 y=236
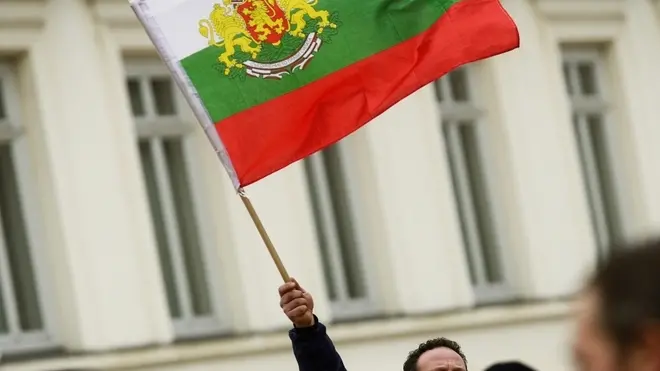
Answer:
x=296 y=10
x=230 y=29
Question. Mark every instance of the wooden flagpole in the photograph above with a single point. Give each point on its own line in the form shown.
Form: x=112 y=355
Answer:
x=246 y=201
x=264 y=235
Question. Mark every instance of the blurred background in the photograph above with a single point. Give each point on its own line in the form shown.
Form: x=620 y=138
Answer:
x=471 y=210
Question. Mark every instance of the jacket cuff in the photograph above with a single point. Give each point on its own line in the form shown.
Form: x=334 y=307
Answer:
x=302 y=333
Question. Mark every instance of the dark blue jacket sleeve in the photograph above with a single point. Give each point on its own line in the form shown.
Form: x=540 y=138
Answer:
x=314 y=350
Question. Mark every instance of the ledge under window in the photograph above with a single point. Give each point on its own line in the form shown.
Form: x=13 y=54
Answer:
x=582 y=9
x=273 y=342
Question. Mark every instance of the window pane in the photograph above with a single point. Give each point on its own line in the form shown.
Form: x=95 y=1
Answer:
x=163 y=96
x=135 y=95
x=592 y=188
x=17 y=244
x=3 y=111
x=439 y=94
x=587 y=77
x=4 y=328
x=341 y=204
x=326 y=257
x=151 y=182
x=596 y=168
x=188 y=228
x=454 y=152
x=602 y=154
x=459 y=85
x=567 y=78
x=483 y=209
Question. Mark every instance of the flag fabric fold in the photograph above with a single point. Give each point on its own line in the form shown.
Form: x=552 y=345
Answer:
x=273 y=81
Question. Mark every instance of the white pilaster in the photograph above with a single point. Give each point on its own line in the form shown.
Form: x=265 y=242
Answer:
x=104 y=262
x=420 y=234
x=640 y=88
x=552 y=229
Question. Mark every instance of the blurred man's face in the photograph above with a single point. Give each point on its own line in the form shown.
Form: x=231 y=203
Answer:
x=594 y=350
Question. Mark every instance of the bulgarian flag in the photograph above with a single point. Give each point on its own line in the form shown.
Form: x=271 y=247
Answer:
x=273 y=81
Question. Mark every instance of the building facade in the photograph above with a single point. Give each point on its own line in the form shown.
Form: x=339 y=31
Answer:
x=472 y=209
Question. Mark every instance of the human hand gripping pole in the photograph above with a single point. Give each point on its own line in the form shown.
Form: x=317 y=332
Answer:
x=264 y=235
x=297 y=304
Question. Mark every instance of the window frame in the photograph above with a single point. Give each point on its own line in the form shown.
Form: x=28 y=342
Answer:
x=180 y=126
x=15 y=134
x=580 y=108
x=343 y=308
x=453 y=114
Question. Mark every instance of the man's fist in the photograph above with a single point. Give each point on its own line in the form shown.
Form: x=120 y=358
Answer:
x=297 y=304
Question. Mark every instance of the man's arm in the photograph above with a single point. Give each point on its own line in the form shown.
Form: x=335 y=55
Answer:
x=312 y=347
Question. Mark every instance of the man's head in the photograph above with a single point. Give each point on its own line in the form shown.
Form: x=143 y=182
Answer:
x=619 y=312
x=439 y=354
x=509 y=366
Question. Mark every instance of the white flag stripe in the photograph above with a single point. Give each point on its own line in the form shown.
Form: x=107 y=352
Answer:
x=143 y=12
x=180 y=25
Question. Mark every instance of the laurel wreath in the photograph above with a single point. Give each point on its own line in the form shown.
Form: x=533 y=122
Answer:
x=289 y=46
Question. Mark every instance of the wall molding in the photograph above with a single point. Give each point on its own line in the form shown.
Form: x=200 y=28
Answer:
x=581 y=9
x=117 y=18
x=278 y=342
x=114 y=13
x=21 y=24
x=22 y=13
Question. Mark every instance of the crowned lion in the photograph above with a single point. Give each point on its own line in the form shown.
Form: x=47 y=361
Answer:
x=230 y=30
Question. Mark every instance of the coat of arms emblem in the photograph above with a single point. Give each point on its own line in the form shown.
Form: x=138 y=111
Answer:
x=267 y=38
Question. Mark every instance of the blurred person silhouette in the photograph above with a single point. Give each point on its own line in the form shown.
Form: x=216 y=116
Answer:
x=314 y=350
x=618 y=314
x=509 y=366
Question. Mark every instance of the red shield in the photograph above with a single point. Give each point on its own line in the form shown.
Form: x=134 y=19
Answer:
x=265 y=20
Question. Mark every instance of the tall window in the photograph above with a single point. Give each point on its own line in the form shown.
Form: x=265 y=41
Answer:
x=584 y=76
x=22 y=324
x=335 y=219
x=463 y=131
x=164 y=127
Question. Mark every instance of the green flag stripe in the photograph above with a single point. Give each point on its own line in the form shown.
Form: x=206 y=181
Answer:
x=364 y=28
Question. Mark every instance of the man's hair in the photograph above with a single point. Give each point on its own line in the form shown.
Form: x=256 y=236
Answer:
x=509 y=366
x=628 y=287
x=413 y=357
